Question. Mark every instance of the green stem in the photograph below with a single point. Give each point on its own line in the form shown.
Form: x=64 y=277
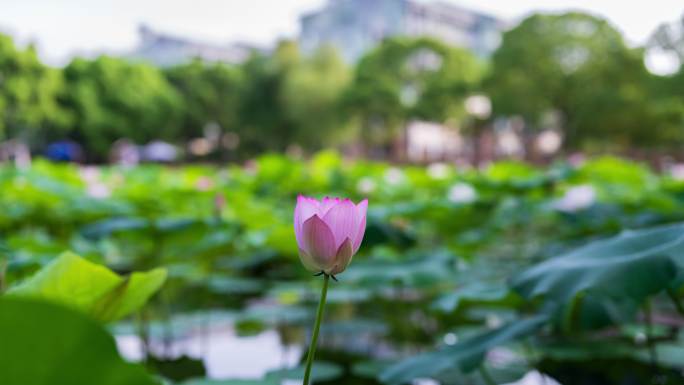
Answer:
x=144 y=336
x=317 y=328
x=486 y=376
x=3 y=274
x=649 y=333
x=675 y=300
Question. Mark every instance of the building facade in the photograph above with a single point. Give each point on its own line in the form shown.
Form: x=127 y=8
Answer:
x=166 y=50
x=355 y=26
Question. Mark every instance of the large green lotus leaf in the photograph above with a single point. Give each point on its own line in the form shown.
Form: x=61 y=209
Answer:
x=233 y=285
x=479 y=293
x=47 y=344
x=92 y=288
x=510 y=373
x=131 y=294
x=69 y=279
x=619 y=180
x=669 y=355
x=608 y=278
x=108 y=226
x=370 y=369
x=415 y=271
x=587 y=350
x=500 y=374
x=466 y=355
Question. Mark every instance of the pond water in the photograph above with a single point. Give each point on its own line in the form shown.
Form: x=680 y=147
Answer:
x=225 y=354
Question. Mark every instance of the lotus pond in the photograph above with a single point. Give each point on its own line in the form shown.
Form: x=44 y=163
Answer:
x=573 y=272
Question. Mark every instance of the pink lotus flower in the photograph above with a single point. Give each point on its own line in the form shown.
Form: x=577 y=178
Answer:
x=329 y=232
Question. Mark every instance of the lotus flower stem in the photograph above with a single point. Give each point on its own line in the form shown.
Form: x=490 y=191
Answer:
x=486 y=376
x=675 y=300
x=3 y=271
x=317 y=328
x=648 y=317
x=329 y=233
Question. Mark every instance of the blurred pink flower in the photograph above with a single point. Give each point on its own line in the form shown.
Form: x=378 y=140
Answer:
x=329 y=232
x=204 y=184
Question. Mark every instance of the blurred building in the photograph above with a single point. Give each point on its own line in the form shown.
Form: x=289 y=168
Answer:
x=430 y=142
x=355 y=26
x=167 y=50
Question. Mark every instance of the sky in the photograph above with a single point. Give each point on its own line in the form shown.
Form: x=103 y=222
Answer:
x=62 y=28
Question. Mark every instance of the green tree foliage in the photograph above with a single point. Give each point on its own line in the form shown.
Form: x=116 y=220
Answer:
x=618 y=105
x=290 y=98
x=210 y=95
x=28 y=105
x=112 y=98
x=311 y=93
x=579 y=66
x=265 y=124
x=573 y=65
x=408 y=78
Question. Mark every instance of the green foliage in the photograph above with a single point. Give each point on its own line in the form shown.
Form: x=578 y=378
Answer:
x=45 y=344
x=266 y=125
x=289 y=97
x=605 y=282
x=539 y=57
x=466 y=355
x=453 y=278
x=210 y=94
x=28 y=95
x=311 y=96
x=91 y=288
x=450 y=277
x=568 y=71
x=269 y=102
x=578 y=66
x=589 y=288
x=407 y=78
x=111 y=99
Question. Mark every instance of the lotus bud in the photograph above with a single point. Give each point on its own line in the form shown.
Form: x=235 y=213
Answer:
x=329 y=232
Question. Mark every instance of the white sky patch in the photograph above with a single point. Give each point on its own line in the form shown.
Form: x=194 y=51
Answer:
x=63 y=28
x=661 y=62
x=67 y=27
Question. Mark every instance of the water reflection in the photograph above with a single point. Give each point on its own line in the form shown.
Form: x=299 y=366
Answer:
x=225 y=354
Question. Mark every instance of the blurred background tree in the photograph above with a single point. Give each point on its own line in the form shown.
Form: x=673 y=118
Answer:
x=28 y=105
x=669 y=40
x=578 y=66
x=407 y=78
x=210 y=94
x=112 y=98
x=311 y=94
x=265 y=125
x=289 y=98
x=571 y=72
